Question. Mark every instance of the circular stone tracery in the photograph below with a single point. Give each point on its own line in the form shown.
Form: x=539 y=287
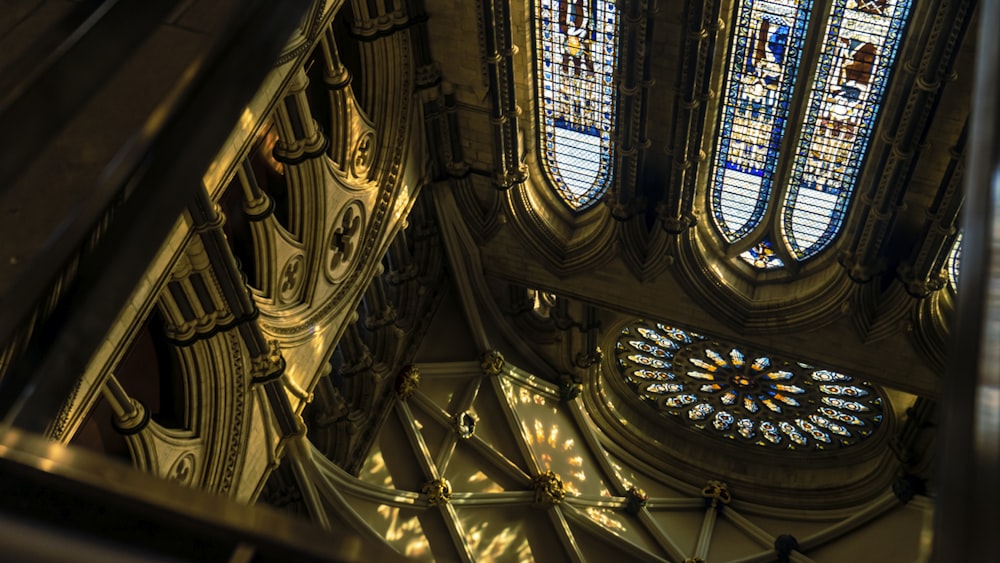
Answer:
x=752 y=399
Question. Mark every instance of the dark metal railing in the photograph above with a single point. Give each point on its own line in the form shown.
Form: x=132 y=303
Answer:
x=61 y=285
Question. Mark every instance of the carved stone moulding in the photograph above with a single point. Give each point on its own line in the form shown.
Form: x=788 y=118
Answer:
x=344 y=240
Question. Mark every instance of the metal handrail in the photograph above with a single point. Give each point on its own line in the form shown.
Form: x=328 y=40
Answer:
x=89 y=486
x=155 y=176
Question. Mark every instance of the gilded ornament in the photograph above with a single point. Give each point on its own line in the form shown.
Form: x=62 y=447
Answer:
x=438 y=492
x=569 y=388
x=716 y=492
x=636 y=499
x=492 y=363
x=549 y=489
x=268 y=364
x=589 y=358
x=464 y=424
x=407 y=381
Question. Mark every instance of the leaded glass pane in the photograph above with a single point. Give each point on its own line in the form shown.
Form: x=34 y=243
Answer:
x=763 y=60
x=954 y=261
x=769 y=402
x=762 y=256
x=861 y=40
x=576 y=46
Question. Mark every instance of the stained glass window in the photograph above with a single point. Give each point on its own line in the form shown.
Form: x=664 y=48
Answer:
x=954 y=262
x=861 y=40
x=576 y=46
x=755 y=399
x=763 y=61
x=841 y=99
x=762 y=256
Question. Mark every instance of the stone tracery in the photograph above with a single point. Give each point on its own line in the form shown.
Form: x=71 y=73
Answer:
x=753 y=399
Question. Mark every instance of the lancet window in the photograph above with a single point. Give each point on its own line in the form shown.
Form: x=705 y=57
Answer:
x=796 y=139
x=953 y=262
x=576 y=52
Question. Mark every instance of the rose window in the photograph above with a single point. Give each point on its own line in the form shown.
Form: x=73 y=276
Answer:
x=746 y=397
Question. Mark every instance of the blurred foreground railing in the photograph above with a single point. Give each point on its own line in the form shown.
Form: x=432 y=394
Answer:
x=58 y=503
x=112 y=114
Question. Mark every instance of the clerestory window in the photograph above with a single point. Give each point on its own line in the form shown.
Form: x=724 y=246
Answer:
x=792 y=142
x=953 y=262
x=576 y=46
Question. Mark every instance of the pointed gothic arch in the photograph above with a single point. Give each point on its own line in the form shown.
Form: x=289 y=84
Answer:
x=791 y=144
x=576 y=52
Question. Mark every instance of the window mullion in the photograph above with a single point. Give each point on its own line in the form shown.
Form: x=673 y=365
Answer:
x=798 y=105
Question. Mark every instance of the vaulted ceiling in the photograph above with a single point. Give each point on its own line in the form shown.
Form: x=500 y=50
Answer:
x=873 y=303
x=552 y=286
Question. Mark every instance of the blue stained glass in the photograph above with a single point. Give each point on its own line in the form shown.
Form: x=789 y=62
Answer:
x=647 y=361
x=763 y=60
x=742 y=396
x=662 y=388
x=826 y=375
x=767 y=428
x=844 y=404
x=703 y=364
x=717 y=358
x=649 y=348
x=833 y=426
x=723 y=420
x=860 y=45
x=841 y=416
x=680 y=400
x=576 y=42
x=787 y=400
x=658 y=338
x=762 y=256
x=700 y=375
x=652 y=374
x=792 y=433
x=771 y=404
x=737 y=358
x=848 y=390
x=700 y=411
x=675 y=333
x=813 y=431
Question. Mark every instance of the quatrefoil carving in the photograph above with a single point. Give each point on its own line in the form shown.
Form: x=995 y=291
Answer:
x=364 y=153
x=291 y=278
x=345 y=238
